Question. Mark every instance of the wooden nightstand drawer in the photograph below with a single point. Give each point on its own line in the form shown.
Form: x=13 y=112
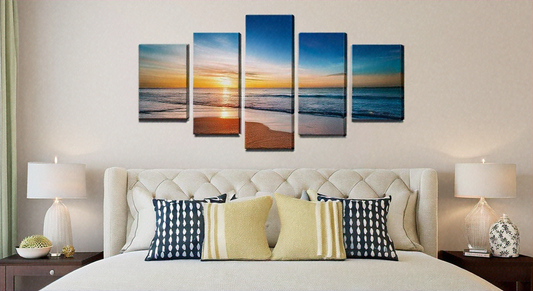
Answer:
x=54 y=271
x=16 y=267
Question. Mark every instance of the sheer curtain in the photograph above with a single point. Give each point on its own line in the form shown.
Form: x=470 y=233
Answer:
x=8 y=86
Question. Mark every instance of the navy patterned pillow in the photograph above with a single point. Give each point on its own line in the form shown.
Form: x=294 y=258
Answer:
x=365 y=228
x=179 y=230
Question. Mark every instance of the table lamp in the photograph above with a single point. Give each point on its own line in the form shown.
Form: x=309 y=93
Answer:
x=56 y=181
x=483 y=180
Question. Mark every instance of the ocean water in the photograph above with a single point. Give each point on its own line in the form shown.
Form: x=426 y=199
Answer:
x=378 y=104
x=322 y=101
x=216 y=97
x=273 y=107
x=270 y=99
x=216 y=102
x=162 y=103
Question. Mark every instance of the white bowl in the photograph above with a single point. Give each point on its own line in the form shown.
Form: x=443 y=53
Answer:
x=33 y=253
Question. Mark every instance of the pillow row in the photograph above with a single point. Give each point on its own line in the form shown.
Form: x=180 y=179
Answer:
x=401 y=222
x=236 y=230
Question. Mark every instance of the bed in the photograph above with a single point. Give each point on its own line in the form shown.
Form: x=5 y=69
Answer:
x=414 y=234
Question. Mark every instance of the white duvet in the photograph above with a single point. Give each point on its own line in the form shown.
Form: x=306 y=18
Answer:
x=413 y=271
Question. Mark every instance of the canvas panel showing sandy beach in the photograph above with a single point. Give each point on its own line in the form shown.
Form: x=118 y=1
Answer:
x=163 y=82
x=322 y=84
x=269 y=83
x=378 y=87
x=216 y=92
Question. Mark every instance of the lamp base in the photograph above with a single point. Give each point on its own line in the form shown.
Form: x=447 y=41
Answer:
x=477 y=225
x=57 y=227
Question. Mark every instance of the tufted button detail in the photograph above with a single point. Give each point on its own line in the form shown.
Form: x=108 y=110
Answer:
x=200 y=183
x=52 y=272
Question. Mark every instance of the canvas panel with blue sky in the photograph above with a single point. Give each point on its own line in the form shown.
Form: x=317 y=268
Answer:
x=216 y=92
x=269 y=82
x=377 y=80
x=163 y=82
x=322 y=84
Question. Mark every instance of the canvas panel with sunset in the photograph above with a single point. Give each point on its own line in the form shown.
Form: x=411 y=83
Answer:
x=216 y=93
x=377 y=78
x=322 y=84
x=163 y=82
x=269 y=93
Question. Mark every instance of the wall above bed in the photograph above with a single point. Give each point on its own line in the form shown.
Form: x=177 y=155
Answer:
x=469 y=66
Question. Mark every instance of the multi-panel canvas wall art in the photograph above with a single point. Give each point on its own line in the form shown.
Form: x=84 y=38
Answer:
x=269 y=82
x=216 y=89
x=377 y=78
x=322 y=84
x=163 y=82
x=268 y=88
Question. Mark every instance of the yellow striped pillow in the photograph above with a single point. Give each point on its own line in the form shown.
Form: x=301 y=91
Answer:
x=236 y=231
x=309 y=230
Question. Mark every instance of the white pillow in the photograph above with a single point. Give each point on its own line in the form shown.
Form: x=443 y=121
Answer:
x=143 y=227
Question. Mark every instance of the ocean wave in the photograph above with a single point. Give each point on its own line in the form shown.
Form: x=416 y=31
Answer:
x=283 y=110
x=323 y=113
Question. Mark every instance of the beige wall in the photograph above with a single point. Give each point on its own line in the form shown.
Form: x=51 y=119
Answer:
x=468 y=95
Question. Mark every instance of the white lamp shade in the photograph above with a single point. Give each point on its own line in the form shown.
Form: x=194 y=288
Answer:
x=48 y=181
x=475 y=180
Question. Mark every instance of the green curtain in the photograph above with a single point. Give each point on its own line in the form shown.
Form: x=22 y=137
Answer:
x=8 y=85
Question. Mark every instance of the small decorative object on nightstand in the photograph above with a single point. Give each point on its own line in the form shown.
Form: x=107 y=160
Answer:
x=507 y=274
x=504 y=238
x=15 y=266
x=68 y=251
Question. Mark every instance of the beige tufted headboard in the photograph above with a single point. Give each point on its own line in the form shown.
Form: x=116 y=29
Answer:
x=200 y=183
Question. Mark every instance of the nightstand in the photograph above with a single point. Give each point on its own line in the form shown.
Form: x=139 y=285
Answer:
x=505 y=273
x=53 y=268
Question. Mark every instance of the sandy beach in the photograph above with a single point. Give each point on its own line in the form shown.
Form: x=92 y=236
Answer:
x=259 y=136
x=310 y=125
x=216 y=126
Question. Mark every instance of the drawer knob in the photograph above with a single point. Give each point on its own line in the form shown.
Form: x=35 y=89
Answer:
x=52 y=272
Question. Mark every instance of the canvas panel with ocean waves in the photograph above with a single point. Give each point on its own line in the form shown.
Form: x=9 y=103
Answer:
x=378 y=87
x=216 y=93
x=322 y=84
x=163 y=82
x=269 y=93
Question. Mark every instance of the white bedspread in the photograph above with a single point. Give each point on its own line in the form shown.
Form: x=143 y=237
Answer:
x=413 y=271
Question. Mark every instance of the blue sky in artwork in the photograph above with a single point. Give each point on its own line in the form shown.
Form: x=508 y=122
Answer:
x=216 y=60
x=217 y=41
x=323 y=53
x=161 y=56
x=162 y=66
x=270 y=38
x=377 y=59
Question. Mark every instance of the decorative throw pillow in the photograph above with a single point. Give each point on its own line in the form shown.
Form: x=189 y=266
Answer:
x=309 y=230
x=179 y=230
x=236 y=230
x=273 y=224
x=365 y=228
x=144 y=221
x=401 y=220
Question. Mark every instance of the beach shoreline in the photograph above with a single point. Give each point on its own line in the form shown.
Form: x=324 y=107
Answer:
x=310 y=125
x=216 y=126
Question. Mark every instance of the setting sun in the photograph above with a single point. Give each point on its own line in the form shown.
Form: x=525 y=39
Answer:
x=224 y=82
